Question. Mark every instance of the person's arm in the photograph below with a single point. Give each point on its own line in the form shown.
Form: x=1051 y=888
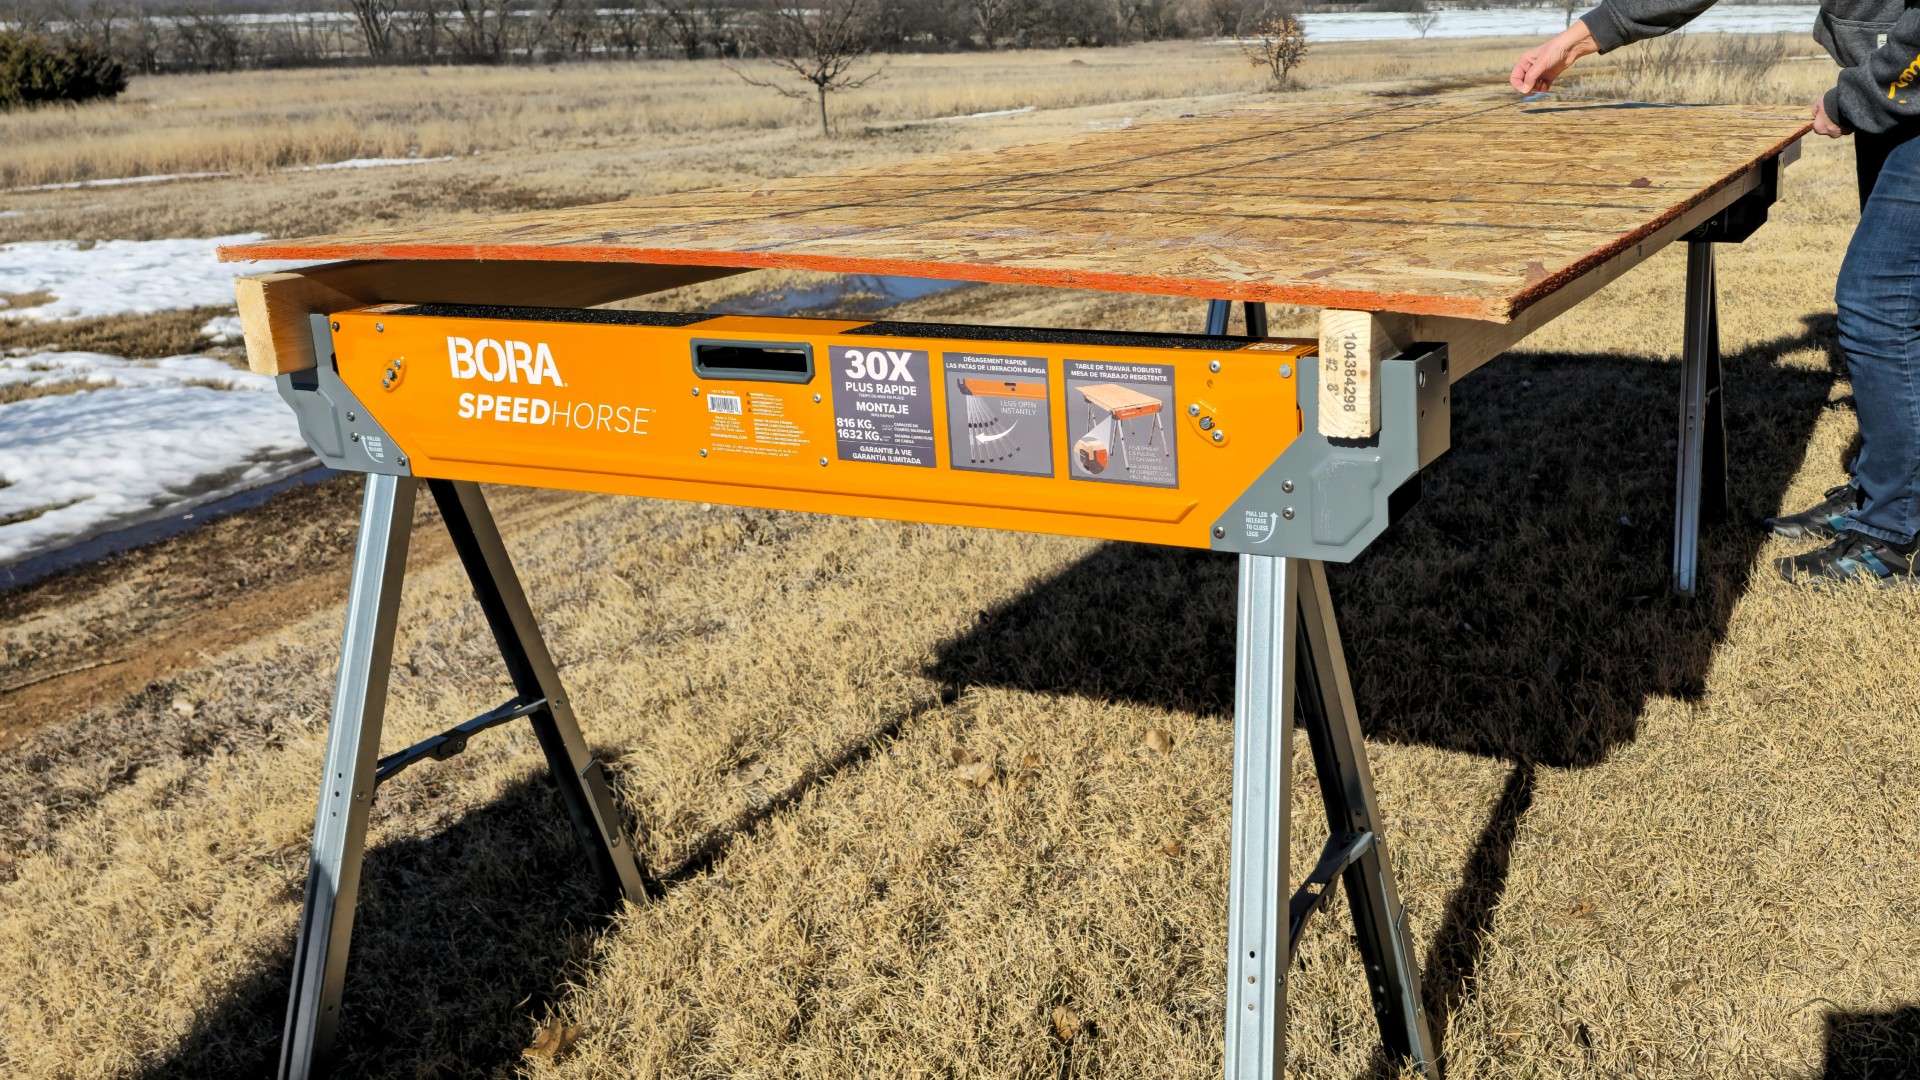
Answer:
x=1619 y=22
x=1883 y=92
x=1613 y=24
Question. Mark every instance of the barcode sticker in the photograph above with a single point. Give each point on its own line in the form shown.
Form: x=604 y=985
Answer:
x=724 y=403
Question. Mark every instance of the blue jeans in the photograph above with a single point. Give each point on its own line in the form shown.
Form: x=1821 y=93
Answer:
x=1879 y=301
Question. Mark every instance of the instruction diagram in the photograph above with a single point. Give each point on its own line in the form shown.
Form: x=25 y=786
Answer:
x=1118 y=411
x=997 y=413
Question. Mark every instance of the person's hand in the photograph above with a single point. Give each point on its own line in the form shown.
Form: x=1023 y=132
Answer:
x=1822 y=123
x=1541 y=65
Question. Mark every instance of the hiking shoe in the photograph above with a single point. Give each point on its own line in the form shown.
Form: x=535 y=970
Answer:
x=1821 y=522
x=1853 y=556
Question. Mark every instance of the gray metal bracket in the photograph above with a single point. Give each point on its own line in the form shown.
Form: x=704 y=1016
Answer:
x=333 y=421
x=1327 y=501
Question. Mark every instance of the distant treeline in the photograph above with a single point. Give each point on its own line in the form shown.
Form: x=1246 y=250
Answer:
x=151 y=36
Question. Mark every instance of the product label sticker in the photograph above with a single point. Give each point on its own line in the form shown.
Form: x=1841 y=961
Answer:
x=1117 y=423
x=752 y=422
x=997 y=416
x=882 y=405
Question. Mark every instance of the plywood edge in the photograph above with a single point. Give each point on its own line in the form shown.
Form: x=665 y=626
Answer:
x=1467 y=307
x=1471 y=343
x=275 y=308
x=1708 y=201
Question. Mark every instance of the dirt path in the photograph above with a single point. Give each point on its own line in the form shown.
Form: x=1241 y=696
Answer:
x=100 y=633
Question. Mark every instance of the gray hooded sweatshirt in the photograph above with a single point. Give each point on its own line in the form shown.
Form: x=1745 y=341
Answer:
x=1876 y=42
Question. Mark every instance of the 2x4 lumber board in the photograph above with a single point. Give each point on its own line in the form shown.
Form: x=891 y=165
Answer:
x=1352 y=344
x=274 y=308
x=1466 y=208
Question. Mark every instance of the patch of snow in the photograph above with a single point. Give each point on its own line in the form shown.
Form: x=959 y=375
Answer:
x=222 y=330
x=123 y=277
x=116 y=181
x=989 y=115
x=162 y=178
x=154 y=438
x=368 y=163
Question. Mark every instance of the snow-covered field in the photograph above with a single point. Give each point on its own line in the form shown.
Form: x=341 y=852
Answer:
x=1543 y=22
x=156 y=437
x=150 y=437
x=121 y=277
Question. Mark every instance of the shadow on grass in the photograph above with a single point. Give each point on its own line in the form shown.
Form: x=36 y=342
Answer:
x=1873 y=1046
x=462 y=935
x=1520 y=612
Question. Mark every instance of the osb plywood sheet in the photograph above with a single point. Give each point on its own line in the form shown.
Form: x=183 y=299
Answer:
x=1443 y=207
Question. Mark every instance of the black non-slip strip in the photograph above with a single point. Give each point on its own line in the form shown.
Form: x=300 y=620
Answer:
x=1045 y=336
x=564 y=315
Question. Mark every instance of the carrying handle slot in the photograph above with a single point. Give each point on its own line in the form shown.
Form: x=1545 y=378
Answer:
x=754 y=361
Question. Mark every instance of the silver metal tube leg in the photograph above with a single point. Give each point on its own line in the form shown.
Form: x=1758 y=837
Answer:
x=1701 y=422
x=346 y=789
x=1257 y=889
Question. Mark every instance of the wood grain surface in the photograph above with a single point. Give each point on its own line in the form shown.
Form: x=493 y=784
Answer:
x=1473 y=208
x=1122 y=402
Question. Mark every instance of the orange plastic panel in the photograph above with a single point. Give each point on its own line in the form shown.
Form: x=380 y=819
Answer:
x=881 y=428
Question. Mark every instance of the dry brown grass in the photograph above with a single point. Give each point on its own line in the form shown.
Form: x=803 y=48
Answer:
x=138 y=337
x=12 y=392
x=525 y=138
x=1637 y=837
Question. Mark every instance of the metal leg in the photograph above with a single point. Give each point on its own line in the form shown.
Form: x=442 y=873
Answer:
x=353 y=746
x=1218 y=311
x=1346 y=785
x=1257 y=930
x=581 y=779
x=1289 y=655
x=1700 y=488
x=354 y=765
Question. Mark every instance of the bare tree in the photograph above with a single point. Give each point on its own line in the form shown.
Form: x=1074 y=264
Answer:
x=1225 y=18
x=1279 y=44
x=633 y=30
x=1422 y=21
x=997 y=20
x=375 y=19
x=481 y=29
x=817 y=41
